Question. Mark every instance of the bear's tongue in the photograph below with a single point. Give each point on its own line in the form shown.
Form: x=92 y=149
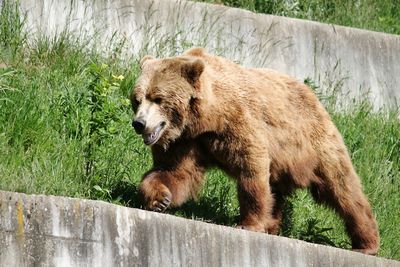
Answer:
x=152 y=137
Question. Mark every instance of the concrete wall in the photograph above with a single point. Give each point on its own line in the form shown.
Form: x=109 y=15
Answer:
x=58 y=231
x=363 y=61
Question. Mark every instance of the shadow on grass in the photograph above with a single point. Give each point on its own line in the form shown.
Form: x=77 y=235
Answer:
x=207 y=211
x=127 y=194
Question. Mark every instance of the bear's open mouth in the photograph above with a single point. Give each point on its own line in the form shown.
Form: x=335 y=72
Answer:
x=152 y=137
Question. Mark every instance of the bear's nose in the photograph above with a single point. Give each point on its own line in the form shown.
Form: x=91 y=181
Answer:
x=139 y=125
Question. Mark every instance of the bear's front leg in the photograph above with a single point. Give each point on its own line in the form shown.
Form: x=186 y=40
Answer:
x=162 y=189
x=256 y=201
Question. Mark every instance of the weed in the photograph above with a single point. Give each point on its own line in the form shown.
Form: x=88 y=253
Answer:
x=12 y=36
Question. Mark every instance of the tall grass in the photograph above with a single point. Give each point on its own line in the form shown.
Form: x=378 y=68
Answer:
x=366 y=14
x=65 y=130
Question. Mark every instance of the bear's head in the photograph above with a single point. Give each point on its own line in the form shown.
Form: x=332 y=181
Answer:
x=163 y=97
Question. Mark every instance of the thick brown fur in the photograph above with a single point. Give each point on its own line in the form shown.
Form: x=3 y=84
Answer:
x=263 y=128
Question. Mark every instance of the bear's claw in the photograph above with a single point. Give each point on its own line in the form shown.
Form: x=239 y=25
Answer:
x=160 y=206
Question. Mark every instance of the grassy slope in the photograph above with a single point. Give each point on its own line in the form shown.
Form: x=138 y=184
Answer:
x=366 y=14
x=65 y=130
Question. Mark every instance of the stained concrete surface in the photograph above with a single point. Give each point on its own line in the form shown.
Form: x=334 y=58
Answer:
x=37 y=230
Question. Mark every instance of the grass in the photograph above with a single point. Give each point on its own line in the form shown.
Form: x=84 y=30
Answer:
x=366 y=14
x=65 y=130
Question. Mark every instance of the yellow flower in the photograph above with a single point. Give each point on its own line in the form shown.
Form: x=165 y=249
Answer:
x=120 y=77
x=125 y=102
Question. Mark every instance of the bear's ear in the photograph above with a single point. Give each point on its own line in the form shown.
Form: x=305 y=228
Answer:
x=144 y=59
x=192 y=70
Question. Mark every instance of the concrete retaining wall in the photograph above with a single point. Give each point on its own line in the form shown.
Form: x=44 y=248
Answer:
x=363 y=61
x=58 y=231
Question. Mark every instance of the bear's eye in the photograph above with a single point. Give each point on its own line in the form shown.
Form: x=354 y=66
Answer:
x=135 y=103
x=157 y=100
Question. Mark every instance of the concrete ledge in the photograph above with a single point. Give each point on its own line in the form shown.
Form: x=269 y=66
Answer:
x=58 y=231
x=363 y=62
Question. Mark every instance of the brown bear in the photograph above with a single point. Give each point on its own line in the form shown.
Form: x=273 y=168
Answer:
x=263 y=128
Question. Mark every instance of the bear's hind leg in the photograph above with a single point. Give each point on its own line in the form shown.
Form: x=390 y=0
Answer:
x=277 y=213
x=350 y=203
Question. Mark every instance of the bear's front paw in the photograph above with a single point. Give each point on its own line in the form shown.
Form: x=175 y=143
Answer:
x=156 y=195
x=161 y=203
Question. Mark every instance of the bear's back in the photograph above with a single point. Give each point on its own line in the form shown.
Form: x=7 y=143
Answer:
x=267 y=94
